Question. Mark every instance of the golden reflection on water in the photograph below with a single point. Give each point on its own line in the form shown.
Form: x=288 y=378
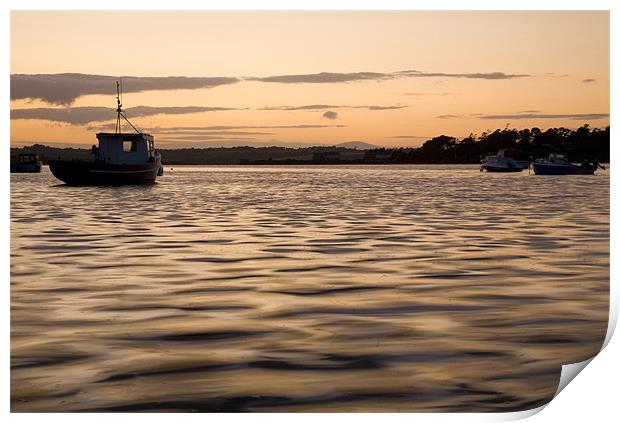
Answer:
x=365 y=288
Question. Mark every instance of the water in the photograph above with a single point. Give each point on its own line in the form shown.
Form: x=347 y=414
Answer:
x=365 y=288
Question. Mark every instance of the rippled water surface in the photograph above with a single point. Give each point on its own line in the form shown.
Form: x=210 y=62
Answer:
x=402 y=288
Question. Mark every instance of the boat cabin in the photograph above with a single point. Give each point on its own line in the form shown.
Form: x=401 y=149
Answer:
x=27 y=158
x=124 y=148
x=556 y=158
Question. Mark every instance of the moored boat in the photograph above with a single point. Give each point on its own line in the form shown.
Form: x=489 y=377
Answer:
x=558 y=164
x=519 y=156
x=500 y=163
x=26 y=163
x=120 y=159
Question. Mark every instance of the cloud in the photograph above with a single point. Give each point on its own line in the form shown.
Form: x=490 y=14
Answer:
x=332 y=77
x=330 y=115
x=417 y=94
x=84 y=115
x=65 y=88
x=157 y=129
x=382 y=107
x=323 y=77
x=574 y=116
x=409 y=137
x=204 y=138
x=533 y=114
x=174 y=143
x=305 y=107
x=473 y=75
x=173 y=110
x=587 y=80
x=192 y=132
x=181 y=142
x=332 y=106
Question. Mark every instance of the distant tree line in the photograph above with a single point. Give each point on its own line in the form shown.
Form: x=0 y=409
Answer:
x=580 y=144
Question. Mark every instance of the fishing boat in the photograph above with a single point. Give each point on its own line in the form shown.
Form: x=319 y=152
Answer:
x=500 y=163
x=558 y=164
x=119 y=159
x=26 y=163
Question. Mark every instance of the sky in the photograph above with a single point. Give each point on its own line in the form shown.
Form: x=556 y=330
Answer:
x=215 y=78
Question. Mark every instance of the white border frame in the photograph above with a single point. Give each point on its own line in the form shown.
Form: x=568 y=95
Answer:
x=592 y=396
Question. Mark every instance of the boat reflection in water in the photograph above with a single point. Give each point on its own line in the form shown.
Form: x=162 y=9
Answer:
x=120 y=159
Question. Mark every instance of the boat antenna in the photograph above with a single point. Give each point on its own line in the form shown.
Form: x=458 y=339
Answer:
x=119 y=110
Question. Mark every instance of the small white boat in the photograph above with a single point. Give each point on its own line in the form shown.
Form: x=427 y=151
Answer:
x=500 y=163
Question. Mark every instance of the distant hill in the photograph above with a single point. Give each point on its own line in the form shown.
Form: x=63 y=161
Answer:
x=359 y=145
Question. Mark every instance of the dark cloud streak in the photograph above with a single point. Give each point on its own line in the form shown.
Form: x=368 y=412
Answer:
x=304 y=107
x=331 y=106
x=204 y=138
x=474 y=75
x=222 y=127
x=335 y=77
x=190 y=132
x=381 y=107
x=409 y=137
x=84 y=115
x=323 y=77
x=65 y=88
x=574 y=116
x=531 y=115
x=419 y=94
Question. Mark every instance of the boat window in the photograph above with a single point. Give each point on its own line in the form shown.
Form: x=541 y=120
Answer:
x=129 y=146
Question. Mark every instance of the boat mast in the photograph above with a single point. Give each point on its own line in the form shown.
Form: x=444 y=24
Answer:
x=119 y=110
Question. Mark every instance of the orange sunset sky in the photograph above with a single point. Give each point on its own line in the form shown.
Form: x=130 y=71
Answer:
x=298 y=78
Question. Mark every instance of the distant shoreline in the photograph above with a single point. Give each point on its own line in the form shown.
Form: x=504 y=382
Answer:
x=580 y=144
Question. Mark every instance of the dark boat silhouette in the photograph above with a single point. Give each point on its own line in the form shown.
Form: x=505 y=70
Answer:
x=120 y=159
x=557 y=164
x=26 y=163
